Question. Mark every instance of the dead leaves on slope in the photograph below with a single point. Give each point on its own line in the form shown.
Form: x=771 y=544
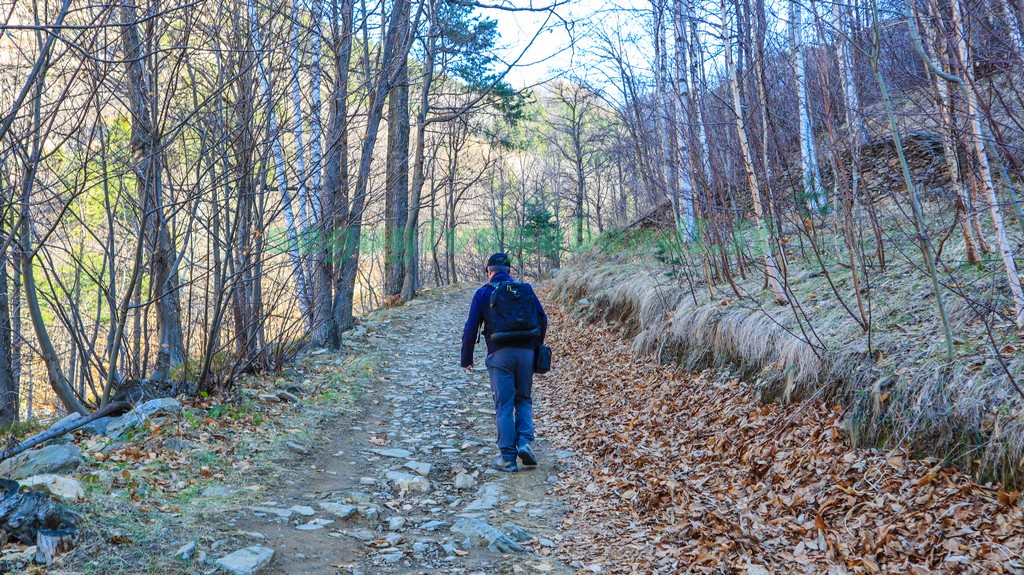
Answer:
x=684 y=474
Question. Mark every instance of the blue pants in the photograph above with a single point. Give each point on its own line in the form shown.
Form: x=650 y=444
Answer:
x=511 y=373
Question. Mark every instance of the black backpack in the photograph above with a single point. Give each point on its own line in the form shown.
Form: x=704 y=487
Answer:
x=514 y=317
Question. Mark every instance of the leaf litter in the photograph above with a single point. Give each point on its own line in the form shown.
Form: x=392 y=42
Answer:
x=685 y=473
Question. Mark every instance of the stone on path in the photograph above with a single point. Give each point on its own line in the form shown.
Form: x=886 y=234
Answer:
x=282 y=513
x=97 y=427
x=216 y=491
x=409 y=483
x=420 y=468
x=304 y=510
x=246 y=561
x=482 y=534
x=370 y=512
x=486 y=498
x=315 y=524
x=432 y=525
x=58 y=458
x=518 y=533
x=363 y=535
x=339 y=510
x=395 y=452
x=464 y=481
x=297 y=447
x=287 y=396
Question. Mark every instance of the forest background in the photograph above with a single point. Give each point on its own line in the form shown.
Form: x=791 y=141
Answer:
x=825 y=195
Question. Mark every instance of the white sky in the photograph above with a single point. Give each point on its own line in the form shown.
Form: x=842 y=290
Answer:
x=553 y=52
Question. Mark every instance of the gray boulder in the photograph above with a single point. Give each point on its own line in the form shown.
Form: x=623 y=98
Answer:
x=98 y=427
x=246 y=561
x=59 y=487
x=141 y=414
x=59 y=458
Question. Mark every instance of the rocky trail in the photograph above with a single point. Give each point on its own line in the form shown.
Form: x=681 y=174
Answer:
x=402 y=486
x=375 y=462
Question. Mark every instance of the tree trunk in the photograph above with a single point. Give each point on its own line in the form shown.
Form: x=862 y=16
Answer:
x=410 y=278
x=8 y=386
x=58 y=381
x=682 y=94
x=146 y=147
x=395 y=51
x=696 y=71
x=328 y=176
x=984 y=171
x=815 y=196
x=920 y=226
x=295 y=229
x=396 y=195
x=946 y=125
x=771 y=269
x=664 y=109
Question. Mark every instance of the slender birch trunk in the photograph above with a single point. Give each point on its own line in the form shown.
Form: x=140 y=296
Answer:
x=301 y=195
x=682 y=94
x=966 y=82
x=815 y=196
x=944 y=110
x=696 y=71
x=763 y=232
x=663 y=105
x=277 y=151
x=841 y=46
x=323 y=221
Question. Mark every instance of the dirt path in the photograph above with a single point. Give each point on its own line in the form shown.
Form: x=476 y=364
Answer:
x=380 y=495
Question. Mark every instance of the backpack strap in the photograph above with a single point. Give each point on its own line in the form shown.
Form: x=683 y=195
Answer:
x=495 y=286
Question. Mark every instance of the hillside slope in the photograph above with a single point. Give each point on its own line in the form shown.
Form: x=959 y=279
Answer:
x=892 y=377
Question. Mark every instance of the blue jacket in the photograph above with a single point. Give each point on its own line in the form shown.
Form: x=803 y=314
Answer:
x=479 y=311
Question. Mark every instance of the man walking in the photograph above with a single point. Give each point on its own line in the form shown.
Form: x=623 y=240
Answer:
x=514 y=327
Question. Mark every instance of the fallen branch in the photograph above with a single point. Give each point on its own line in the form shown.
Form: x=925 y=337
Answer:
x=109 y=409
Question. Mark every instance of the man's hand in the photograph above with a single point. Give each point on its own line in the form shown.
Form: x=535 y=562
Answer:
x=469 y=368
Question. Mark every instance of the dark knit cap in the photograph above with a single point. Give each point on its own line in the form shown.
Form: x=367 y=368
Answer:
x=499 y=259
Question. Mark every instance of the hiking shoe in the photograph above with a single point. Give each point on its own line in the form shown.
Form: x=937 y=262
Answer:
x=527 y=455
x=502 y=464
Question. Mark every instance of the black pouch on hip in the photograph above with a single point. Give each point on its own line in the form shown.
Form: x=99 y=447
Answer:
x=542 y=359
